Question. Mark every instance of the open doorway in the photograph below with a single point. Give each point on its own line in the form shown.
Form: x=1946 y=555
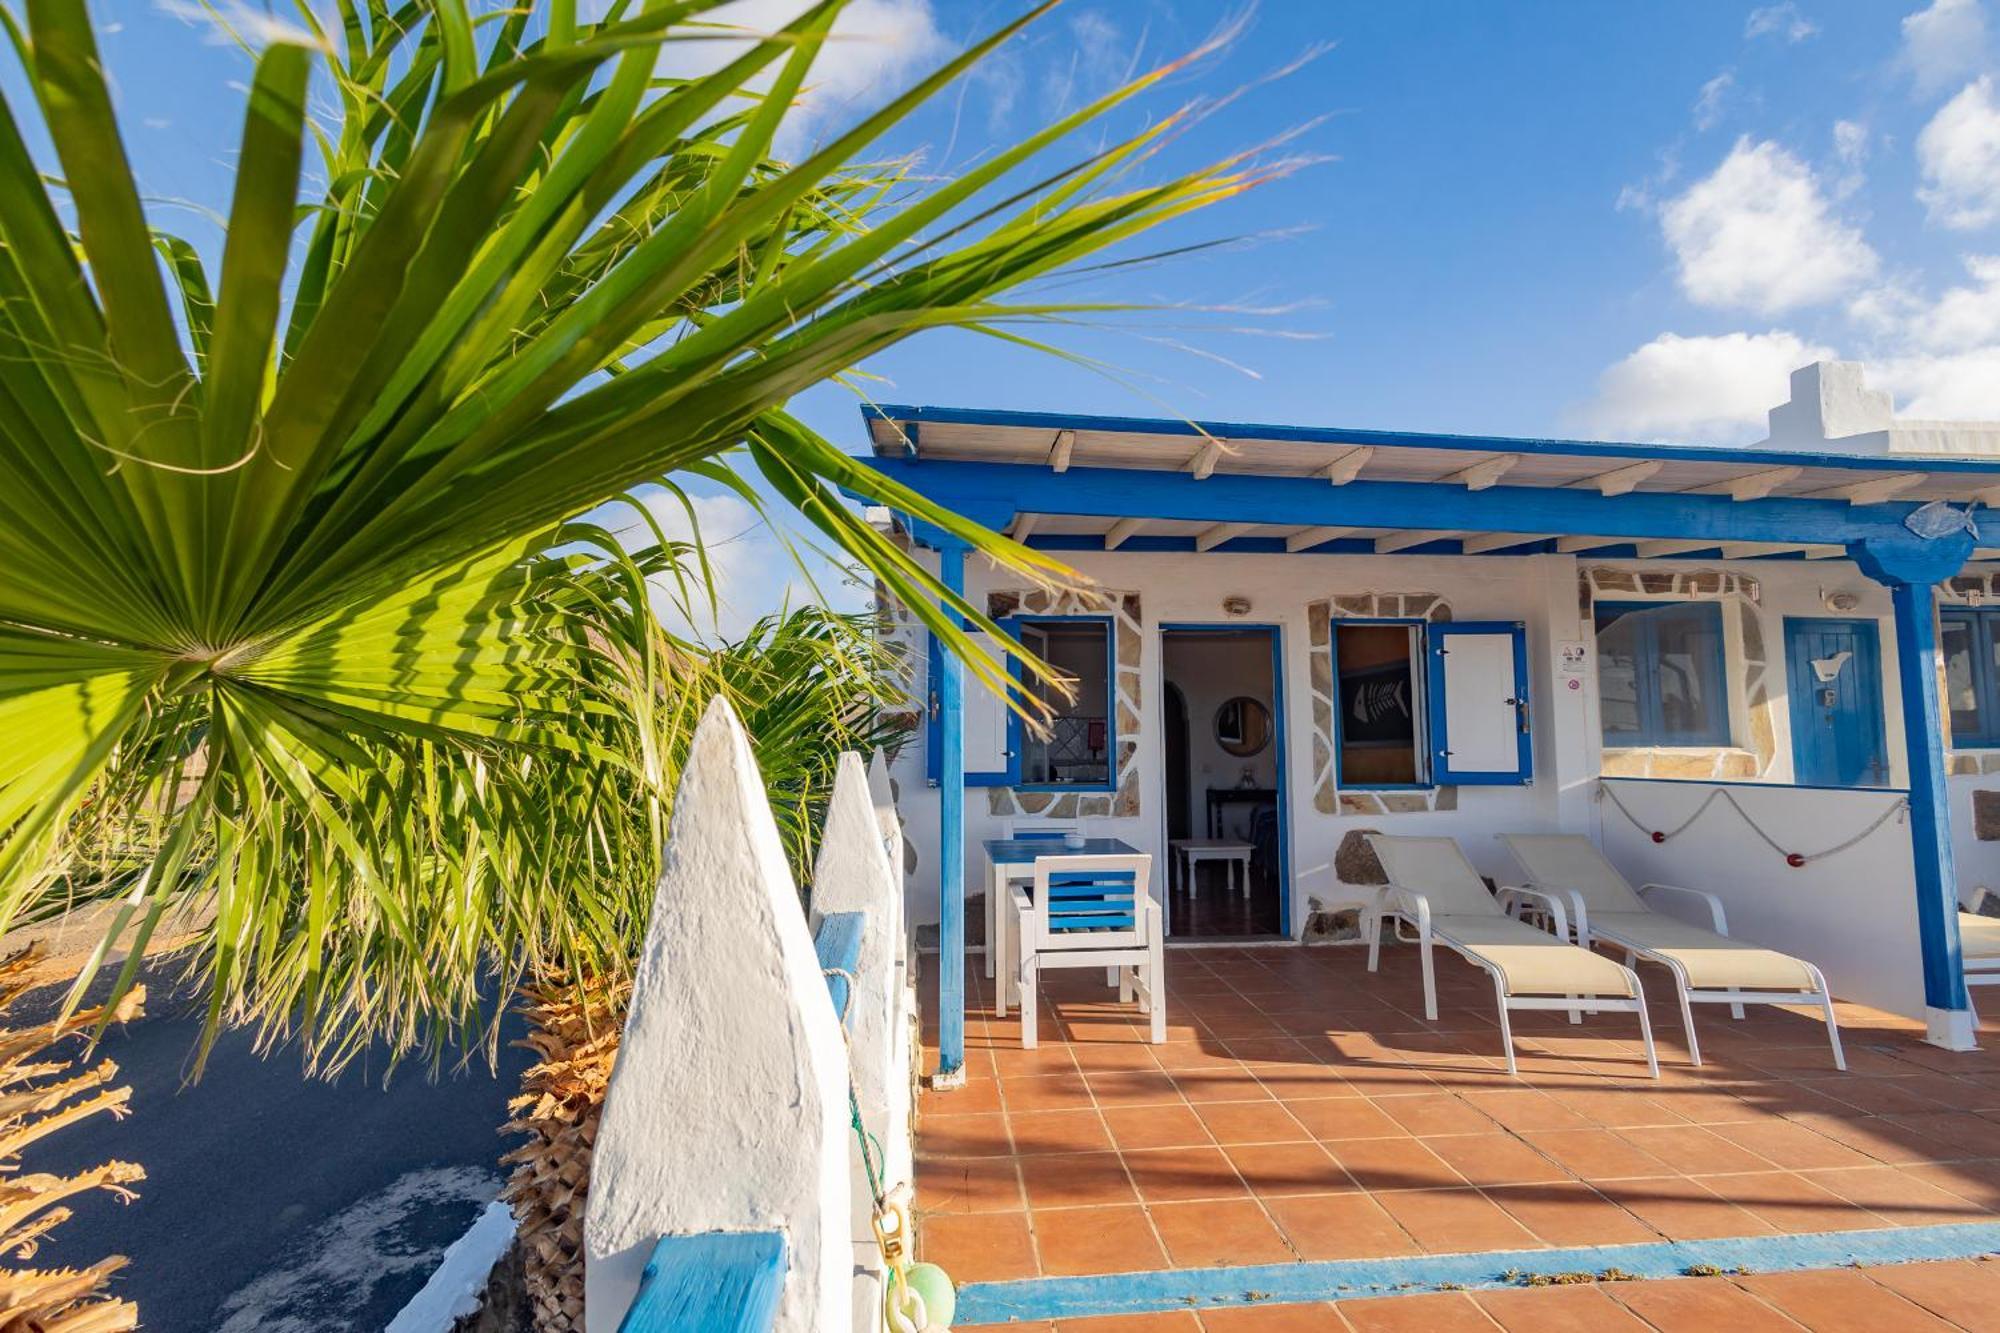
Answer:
x=1223 y=788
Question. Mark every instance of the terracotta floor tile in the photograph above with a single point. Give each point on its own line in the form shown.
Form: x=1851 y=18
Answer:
x=1345 y=1118
x=1046 y=1092
x=983 y=1134
x=1442 y=1312
x=1288 y=1168
x=1692 y=1149
x=1300 y=1080
x=1392 y=1164
x=1232 y=1083
x=1840 y=1300
x=1711 y=1106
x=1790 y=1146
x=1250 y=1122
x=1038 y=1132
x=1571 y=1213
x=1495 y=1159
x=1557 y=1310
x=968 y=1185
x=1978 y=1182
x=980 y=1092
x=1339 y=1226
x=1618 y=1108
x=1171 y=1174
x=1524 y=1110
x=1155 y=1127
x=1099 y=1056
x=1789 y=1201
x=1681 y=1209
x=1595 y=1154
x=1219 y=1232
x=1701 y=1305
x=1071 y=1180
x=1133 y=1087
x=1451 y=1221
x=978 y=1247
x=1955 y=1134
x=1896 y=1196
x=1314 y=1318
x=1051 y=1057
x=1171 y=1321
x=1429 y=1113
x=1963 y=1291
x=1097 y=1240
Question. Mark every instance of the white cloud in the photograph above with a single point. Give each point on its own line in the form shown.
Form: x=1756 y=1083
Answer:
x=1757 y=234
x=1944 y=43
x=1959 y=153
x=1781 y=20
x=1850 y=142
x=1966 y=317
x=876 y=47
x=1708 y=389
x=1708 y=105
x=1962 y=386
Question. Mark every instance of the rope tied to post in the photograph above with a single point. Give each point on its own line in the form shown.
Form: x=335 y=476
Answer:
x=1795 y=859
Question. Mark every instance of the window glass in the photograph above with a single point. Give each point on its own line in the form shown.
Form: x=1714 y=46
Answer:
x=1076 y=749
x=1961 y=676
x=1660 y=672
x=1379 y=705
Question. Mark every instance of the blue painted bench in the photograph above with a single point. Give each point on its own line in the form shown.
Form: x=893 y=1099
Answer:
x=715 y=1282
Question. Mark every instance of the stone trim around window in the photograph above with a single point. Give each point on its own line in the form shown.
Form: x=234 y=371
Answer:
x=1328 y=799
x=1748 y=663
x=1123 y=607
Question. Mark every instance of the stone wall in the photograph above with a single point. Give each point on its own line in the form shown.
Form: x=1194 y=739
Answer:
x=1328 y=799
x=1756 y=748
x=1131 y=725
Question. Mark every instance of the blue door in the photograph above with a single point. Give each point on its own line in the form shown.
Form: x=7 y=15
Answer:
x=1834 y=676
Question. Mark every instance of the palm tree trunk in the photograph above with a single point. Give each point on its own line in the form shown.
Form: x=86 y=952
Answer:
x=574 y=1028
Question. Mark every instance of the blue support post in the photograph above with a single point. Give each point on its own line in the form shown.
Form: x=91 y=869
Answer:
x=950 y=689
x=1950 y=1018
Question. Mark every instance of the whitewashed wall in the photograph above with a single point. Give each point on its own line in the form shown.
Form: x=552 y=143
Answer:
x=1854 y=914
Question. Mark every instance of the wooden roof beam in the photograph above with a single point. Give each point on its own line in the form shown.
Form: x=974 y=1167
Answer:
x=1486 y=472
x=1059 y=452
x=1751 y=485
x=1875 y=490
x=1659 y=550
x=1500 y=541
x=1621 y=480
x=1576 y=542
x=1390 y=542
x=1119 y=531
x=1348 y=466
x=1202 y=465
x=1220 y=533
x=1024 y=526
x=1307 y=538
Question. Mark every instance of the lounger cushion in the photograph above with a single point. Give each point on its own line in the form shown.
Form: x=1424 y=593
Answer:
x=1979 y=936
x=1533 y=962
x=1713 y=962
x=1563 y=861
x=1436 y=868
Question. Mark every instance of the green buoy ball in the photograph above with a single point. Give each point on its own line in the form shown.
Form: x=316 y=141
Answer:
x=940 y=1298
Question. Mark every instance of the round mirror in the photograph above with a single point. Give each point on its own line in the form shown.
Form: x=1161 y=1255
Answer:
x=1243 y=726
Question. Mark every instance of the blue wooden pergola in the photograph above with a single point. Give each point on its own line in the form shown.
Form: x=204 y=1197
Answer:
x=1081 y=483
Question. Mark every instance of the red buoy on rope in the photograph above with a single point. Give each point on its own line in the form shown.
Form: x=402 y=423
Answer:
x=1796 y=860
x=1658 y=836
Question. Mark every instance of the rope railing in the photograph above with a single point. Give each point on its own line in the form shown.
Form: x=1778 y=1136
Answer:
x=1795 y=859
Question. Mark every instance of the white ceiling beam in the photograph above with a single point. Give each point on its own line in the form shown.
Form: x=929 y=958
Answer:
x=1620 y=480
x=1988 y=496
x=1661 y=549
x=1500 y=541
x=1986 y=553
x=1390 y=542
x=1826 y=553
x=1486 y=472
x=1348 y=466
x=1307 y=538
x=1751 y=485
x=1119 y=531
x=1874 y=491
x=1220 y=533
x=1202 y=465
x=1024 y=526
x=1060 y=451
x=1751 y=550
x=1574 y=543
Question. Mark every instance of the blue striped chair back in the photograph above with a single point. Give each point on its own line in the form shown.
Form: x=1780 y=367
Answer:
x=1091 y=900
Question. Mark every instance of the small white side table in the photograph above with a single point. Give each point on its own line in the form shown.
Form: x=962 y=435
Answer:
x=1188 y=853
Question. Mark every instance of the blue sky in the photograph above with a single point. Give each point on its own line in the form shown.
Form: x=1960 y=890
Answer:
x=1605 y=220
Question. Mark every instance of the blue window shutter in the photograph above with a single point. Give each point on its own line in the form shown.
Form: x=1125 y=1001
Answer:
x=1477 y=686
x=1009 y=772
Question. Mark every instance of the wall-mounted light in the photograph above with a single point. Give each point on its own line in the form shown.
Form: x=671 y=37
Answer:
x=1236 y=604
x=1839 y=600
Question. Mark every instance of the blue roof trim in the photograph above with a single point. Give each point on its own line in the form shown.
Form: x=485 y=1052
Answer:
x=907 y=415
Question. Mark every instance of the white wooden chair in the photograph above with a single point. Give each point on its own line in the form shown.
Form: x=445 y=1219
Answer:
x=1093 y=911
x=1023 y=830
x=1979 y=942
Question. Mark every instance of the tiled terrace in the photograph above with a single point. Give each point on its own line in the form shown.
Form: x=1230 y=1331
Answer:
x=1303 y=1109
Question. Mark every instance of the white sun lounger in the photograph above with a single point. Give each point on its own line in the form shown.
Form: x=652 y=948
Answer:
x=1979 y=942
x=1568 y=871
x=1433 y=887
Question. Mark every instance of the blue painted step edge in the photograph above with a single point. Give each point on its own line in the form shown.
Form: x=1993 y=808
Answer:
x=714 y=1282
x=838 y=944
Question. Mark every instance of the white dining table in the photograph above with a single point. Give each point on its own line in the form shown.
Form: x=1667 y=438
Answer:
x=1009 y=861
